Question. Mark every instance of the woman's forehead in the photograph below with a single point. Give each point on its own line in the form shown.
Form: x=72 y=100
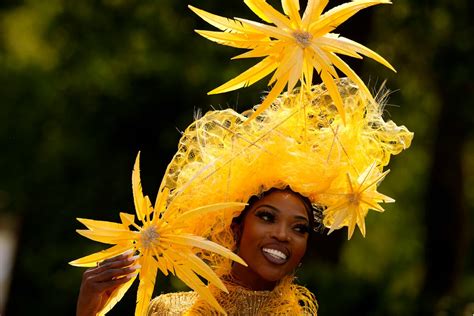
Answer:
x=285 y=201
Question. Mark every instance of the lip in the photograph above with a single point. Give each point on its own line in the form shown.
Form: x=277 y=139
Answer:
x=274 y=259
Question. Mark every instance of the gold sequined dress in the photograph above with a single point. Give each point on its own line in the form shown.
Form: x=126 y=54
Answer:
x=286 y=299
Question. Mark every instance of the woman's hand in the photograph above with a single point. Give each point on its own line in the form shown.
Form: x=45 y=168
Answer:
x=98 y=283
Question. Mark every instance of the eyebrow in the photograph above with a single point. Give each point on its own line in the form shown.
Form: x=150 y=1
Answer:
x=299 y=217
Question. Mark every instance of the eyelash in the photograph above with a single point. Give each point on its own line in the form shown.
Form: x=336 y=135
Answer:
x=266 y=216
x=270 y=218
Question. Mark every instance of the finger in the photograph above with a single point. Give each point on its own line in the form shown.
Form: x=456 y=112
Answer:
x=112 y=284
x=111 y=274
x=121 y=256
x=120 y=263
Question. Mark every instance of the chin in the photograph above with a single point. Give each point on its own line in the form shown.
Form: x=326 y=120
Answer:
x=271 y=274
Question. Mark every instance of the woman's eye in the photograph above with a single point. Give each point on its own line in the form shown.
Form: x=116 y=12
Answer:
x=266 y=216
x=303 y=229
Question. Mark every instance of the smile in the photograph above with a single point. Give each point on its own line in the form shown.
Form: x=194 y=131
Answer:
x=274 y=256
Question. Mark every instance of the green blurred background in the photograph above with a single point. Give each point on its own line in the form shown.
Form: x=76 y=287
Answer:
x=85 y=85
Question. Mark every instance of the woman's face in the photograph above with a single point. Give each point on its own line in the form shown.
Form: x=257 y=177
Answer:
x=273 y=239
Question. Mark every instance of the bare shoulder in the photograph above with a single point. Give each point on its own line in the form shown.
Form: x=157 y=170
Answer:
x=172 y=303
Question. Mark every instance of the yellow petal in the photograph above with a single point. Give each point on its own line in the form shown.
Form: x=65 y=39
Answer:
x=116 y=296
x=361 y=223
x=292 y=8
x=191 y=280
x=297 y=70
x=91 y=260
x=101 y=225
x=248 y=77
x=137 y=189
x=260 y=51
x=347 y=44
x=274 y=93
x=108 y=237
x=314 y=8
x=147 y=283
x=222 y=23
x=334 y=92
x=286 y=63
x=234 y=40
x=203 y=243
x=340 y=64
x=127 y=219
x=338 y=15
x=267 y=13
x=161 y=199
x=210 y=208
x=267 y=30
x=200 y=267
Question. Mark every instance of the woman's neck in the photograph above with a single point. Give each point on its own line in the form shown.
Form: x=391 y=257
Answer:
x=247 y=278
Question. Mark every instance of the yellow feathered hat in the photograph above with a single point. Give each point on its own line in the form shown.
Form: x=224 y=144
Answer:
x=300 y=141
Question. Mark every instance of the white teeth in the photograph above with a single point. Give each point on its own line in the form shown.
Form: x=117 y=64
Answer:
x=275 y=253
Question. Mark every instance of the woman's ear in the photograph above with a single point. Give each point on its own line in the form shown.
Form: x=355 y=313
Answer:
x=236 y=231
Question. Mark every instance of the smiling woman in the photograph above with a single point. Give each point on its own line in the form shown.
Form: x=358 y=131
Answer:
x=271 y=236
x=236 y=203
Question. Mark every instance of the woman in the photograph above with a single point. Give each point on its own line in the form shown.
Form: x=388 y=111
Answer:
x=327 y=142
x=301 y=143
x=271 y=236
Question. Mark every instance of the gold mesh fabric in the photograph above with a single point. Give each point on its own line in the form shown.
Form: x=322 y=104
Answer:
x=286 y=299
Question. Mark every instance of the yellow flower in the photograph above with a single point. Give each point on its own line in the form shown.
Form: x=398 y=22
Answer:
x=355 y=200
x=162 y=243
x=294 y=47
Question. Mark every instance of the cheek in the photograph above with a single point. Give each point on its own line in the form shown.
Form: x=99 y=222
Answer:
x=251 y=235
x=299 y=249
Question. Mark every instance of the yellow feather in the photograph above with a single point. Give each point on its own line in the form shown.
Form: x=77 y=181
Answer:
x=116 y=296
x=287 y=62
x=334 y=92
x=210 y=208
x=248 y=77
x=201 y=268
x=338 y=15
x=137 y=189
x=292 y=8
x=203 y=243
x=340 y=64
x=106 y=237
x=260 y=51
x=101 y=225
x=231 y=39
x=268 y=30
x=127 y=219
x=222 y=23
x=91 y=260
x=191 y=280
x=314 y=8
x=256 y=10
x=147 y=283
x=359 y=48
x=267 y=13
x=276 y=90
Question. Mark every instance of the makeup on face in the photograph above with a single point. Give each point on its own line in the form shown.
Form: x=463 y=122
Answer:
x=273 y=239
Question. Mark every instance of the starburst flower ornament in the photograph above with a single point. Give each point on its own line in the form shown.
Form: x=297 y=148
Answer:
x=292 y=46
x=354 y=199
x=161 y=243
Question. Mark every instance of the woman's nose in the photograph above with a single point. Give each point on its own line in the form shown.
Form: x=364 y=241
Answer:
x=280 y=232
